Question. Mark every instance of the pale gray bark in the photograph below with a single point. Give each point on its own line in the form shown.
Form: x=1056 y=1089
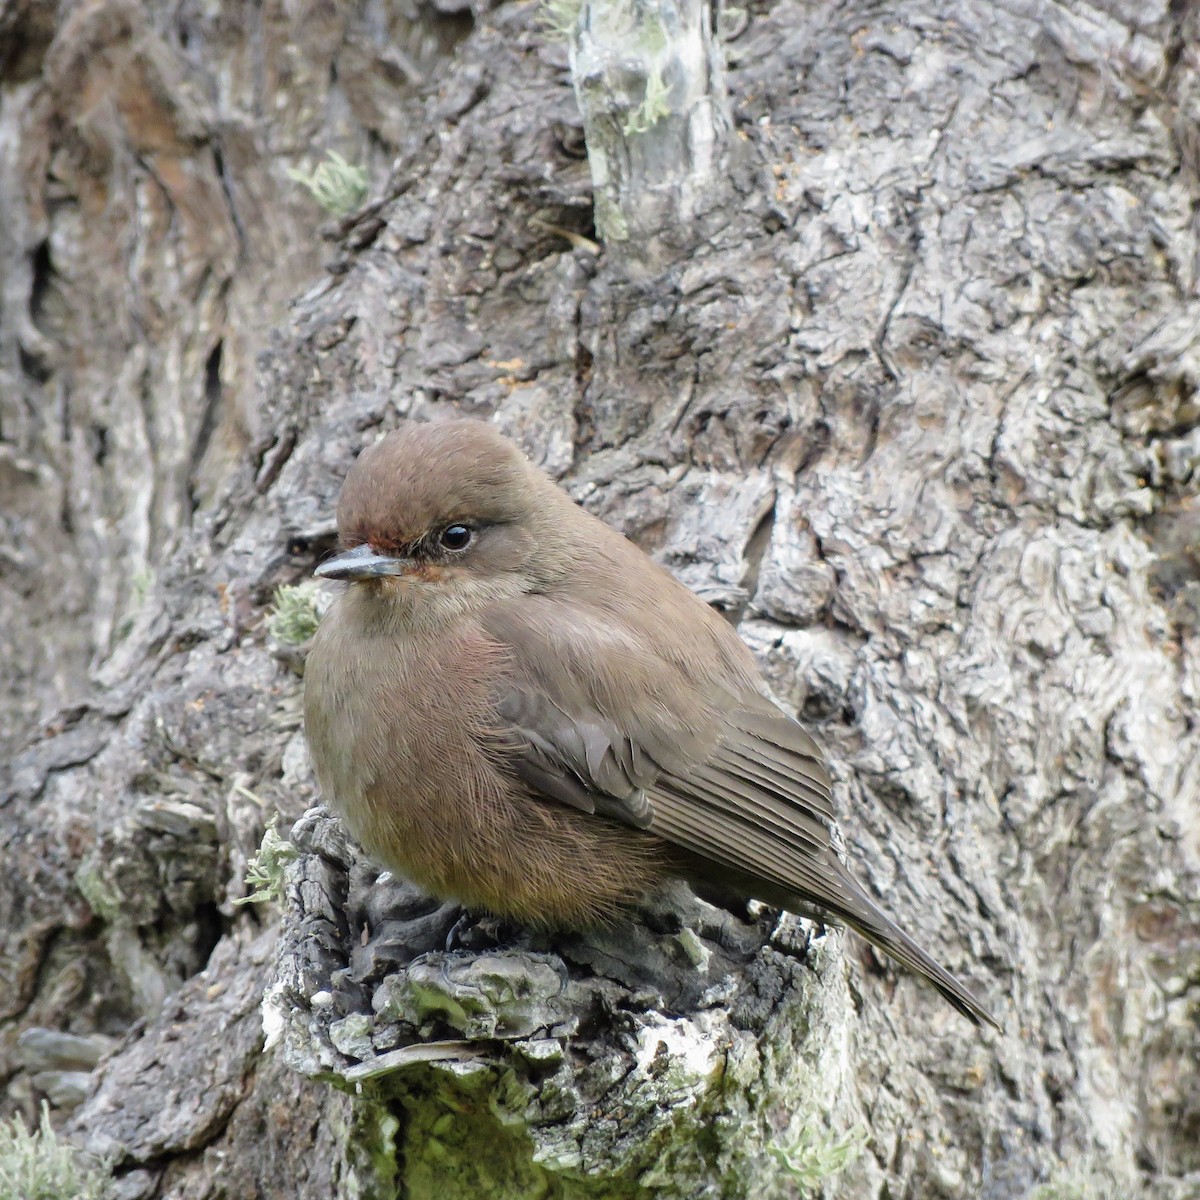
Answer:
x=650 y=81
x=918 y=412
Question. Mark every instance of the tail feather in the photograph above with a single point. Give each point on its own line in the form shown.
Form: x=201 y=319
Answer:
x=879 y=929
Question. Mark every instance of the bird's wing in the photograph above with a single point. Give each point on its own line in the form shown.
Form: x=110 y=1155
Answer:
x=717 y=769
x=600 y=722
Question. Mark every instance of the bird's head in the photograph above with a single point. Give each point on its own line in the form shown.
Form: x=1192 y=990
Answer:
x=438 y=518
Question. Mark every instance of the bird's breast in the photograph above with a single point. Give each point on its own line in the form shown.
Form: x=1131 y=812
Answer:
x=407 y=743
x=397 y=723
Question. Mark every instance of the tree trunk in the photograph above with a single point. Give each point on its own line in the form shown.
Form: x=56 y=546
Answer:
x=912 y=399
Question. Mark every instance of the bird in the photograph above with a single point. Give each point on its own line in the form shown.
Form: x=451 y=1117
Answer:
x=515 y=707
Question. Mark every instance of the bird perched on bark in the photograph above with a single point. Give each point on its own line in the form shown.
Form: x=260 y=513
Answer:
x=513 y=706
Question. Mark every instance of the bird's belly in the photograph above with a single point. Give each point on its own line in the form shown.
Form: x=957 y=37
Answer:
x=524 y=858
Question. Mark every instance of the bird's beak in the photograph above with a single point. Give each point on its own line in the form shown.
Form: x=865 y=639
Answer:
x=363 y=562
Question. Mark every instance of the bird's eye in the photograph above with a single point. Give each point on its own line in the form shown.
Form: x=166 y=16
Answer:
x=456 y=537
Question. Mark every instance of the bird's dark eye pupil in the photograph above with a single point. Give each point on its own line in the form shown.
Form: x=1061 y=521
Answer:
x=455 y=537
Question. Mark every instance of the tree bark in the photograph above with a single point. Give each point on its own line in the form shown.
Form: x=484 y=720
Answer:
x=650 y=82
x=917 y=411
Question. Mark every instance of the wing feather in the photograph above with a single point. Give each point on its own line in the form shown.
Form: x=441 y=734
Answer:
x=722 y=772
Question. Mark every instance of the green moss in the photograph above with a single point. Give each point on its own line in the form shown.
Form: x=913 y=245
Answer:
x=464 y=1134
x=265 y=873
x=337 y=186
x=294 y=618
x=37 y=1166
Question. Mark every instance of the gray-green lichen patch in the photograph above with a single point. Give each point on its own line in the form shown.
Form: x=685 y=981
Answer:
x=145 y=878
x=817 y=1155
x=489 y=995
x=655 y=104
x=294 y=617
x=559 y=17
x=265 y=871
x=338 y=186
x=351 y=1036
x=37 y=1165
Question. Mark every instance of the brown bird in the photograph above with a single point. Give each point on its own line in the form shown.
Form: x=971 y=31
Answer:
x=513 y=706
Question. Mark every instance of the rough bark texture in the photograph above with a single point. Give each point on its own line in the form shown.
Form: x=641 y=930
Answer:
x=650 y=81
x=920 y=416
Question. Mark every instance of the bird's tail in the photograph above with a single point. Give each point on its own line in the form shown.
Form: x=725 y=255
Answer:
x=879 y=929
